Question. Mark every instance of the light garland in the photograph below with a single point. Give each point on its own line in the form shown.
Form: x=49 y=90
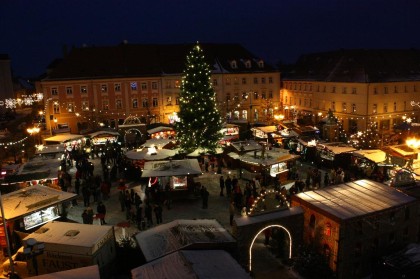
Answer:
x=262 y=198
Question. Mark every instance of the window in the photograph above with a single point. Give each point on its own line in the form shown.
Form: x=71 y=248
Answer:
x=118 y=104
x=145 y=103
x=405 y=88
x=255 y=95
x=69 y=90
x=105 y=105
x=344 y=90
x=168 y=84
x=104 y=88
x=85 y=105
x=395 y=106
x=135 y=103
x=385 y=90
x=133 y=86
x=270 y=80
x=270 y=94
x=407 y=213
x=333 y=89
x=243 y=80
x=169 y=101
x=155 y=102
x=317 y=88
x=385 y=107
x=261 y=64
x=395 y=89
x=310 y=87
x=143 y=86
x=70 y=107
x=83 y=89
x=235 y=81
x=414 y=88
x=227 y=96
x=215 y=82
x=375 y=108
x=325 y=89
x=56 y=107
x=154 y=85
x=233 y=64
x=353 y=108
x=263 y=80
x=255 y=80
x=263 y=95
x=344 y=107
x=54 y=91
x=248 y=64
x=117 y=87
x=353 y=90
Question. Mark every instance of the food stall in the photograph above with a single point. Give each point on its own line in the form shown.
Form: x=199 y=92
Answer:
x=333 y=155
x=103 y=137
x=138 y=157
x=161 y=132
x=373 y=163
x=230 y=133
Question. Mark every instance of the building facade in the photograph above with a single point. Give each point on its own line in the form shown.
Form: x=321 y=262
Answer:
x=94 y=86
x=361 y=87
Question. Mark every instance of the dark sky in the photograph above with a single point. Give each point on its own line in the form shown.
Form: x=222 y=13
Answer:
x=33 y=32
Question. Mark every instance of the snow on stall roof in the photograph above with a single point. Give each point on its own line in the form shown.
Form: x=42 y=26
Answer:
x=64 y=138
x=404 y=150
x=143 y=154
x=88 y=235
x=249 y=220
x=98 y=133
x=158 y=143
x=159 y=129
x=217 y=264
x=337 y=148
x=266 y=129
x=375 y=155
x=271 y=157
x=199 y=151
x=52 y=148
x=30 y=199
x=171 y=168
x=87 y=272
x=40 y=164
x=167 y=238
x=246 y=145
x=354 y=199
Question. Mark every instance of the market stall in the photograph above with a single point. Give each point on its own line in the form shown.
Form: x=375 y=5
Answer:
x=374 y=164
x=138 y=157
x=160 y=143
x=103 y=137
x=230 y=133
x=161 y=132
x=333 y=155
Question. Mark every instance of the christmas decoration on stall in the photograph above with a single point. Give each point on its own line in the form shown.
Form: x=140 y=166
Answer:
x=200 y=121
x=370 y=139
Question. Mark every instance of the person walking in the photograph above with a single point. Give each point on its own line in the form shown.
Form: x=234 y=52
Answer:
x=101 y=209
x=205 y=196
x=89 y=212
x=121 y=198
x=85 y=217
x=228 y=185
x=158 y=213
x=148 y=214
x=231 y=212
x=86 y=195
x=222 y=185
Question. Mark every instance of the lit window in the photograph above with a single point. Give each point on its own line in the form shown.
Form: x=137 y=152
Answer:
x=105 y=105
x=145 y=103
x=344 y=107
x=353 y=108
x=54 y=91
x=69 y=90
x=375 y=108
x=85 y=105
x=169 y=101
x=70 y=107
x=83 y=89
x=104 y=88
x=133 y=86
x=177 y=84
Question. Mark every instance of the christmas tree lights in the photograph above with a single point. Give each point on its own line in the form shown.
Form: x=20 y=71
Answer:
x=199 y=122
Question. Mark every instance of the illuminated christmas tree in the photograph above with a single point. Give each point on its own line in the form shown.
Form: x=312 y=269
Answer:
x=370 y=139
x=200 y=123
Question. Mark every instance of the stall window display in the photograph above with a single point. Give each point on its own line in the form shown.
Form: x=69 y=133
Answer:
x=41 y=217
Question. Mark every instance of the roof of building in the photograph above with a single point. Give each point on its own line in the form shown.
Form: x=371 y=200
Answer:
x=353 y=199
x=358 y=65
x=192 y=264
x=127 y=60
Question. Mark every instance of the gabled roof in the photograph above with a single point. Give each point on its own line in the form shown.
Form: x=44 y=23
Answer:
x=358 y=65
x=133 y=60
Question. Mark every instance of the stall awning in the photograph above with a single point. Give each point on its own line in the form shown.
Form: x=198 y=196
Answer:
x=159 y=129
x=104 y=133
x=374 y=155
x=63 y=138
x=144 y=154
x=171 y=168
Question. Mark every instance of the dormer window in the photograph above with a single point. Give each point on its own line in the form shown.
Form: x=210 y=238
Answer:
x=248 y=64
x=261 y=64
x=233 y=64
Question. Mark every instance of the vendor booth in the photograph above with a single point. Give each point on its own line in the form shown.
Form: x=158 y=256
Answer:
x=161 y=132
x=64 y=139
x=30 y=207
x=230 y=133
x=333 y=155
x=160 y=143
x=50 y=151
x=374 y=164
x=103 y=137
x=138 y=157
x=176 y=172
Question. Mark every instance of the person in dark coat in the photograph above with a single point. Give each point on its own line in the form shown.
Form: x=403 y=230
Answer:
x=222 y=185
x=101 y=209
x=85 y=217
x=148 y=214
x=205 y=197
x=158 y=213
x=228 y=185
x=86 y=195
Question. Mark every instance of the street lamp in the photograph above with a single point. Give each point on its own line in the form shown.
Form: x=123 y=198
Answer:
x=33 y=132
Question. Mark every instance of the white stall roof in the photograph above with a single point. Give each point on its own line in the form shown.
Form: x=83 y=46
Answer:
x=217 y=264
x=272 y=215
x=246 y=145
x=374 y=155
x=266 y=129
x=87 y=272
x=143 y=154
x=200 y=151
x=354 y=199
x=99 y=133
x=30 y=199
x=171 y=168
x=159 y=129
x=337 y=149
x=64 y=138
x=271 y=157
x=404 y=150
x=158 y=143
x=72 y=234
x=48 y=149
x=170 y=237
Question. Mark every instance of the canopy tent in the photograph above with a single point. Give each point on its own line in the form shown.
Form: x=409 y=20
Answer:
x=63 y=138
x=146 y=154
x=182 y=234
x=187 y=264
x=171 y=168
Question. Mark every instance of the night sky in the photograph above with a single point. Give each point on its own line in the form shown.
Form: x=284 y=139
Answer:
x=33 y=32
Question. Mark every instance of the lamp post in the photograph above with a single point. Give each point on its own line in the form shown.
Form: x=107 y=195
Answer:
x=32 y=249
x=34 y=132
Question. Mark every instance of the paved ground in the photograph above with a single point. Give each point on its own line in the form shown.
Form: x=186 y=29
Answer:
x=186 y=208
